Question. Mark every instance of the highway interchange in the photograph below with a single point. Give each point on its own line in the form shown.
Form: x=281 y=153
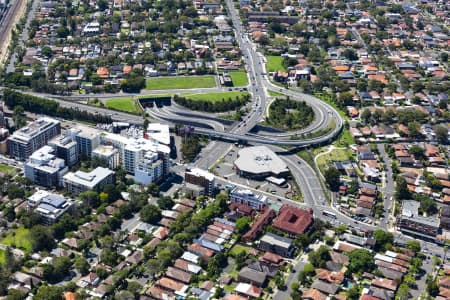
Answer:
x=327 y=121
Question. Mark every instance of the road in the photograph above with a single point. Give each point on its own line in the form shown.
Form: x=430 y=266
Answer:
x=388 y=188
x=292 y=277
x=7 y=24
x=23 y=36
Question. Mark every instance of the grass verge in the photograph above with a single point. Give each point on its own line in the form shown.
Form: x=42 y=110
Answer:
x=126 y=104
x=214 y=97
x=182 y=82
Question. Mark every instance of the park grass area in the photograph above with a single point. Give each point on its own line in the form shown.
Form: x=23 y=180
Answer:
x=238 y=249
x=275 y=63
x=214 y=97
x=5 y=169
x=126 y=104
x=239 y=78
x=2 y=256
x=336 y=155
x=182 y=82
x=19 y=238
x=345 y=139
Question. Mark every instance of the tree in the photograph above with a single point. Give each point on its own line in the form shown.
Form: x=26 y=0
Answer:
x=150 y=214
x=243 y=224
x=383 y=240
x=441 y=134
x=124 y=295
x=47 y=292
x=15 y=191
x=14 y=294
x=402 y=292
x=432 y=287
x=427 y=204
x=109 y=257
x=319 y=257
x=41 y=238
x=90 y=198
x=401 y=189
x=82 y=265
x=418 y=152
x=360 y=260
x=354 y=292
x=366 y=115
x=413 y=245
x=332 y=178
x=350 y=54
x=165 y=202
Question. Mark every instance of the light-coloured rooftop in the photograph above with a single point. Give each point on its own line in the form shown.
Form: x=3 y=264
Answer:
x=90 y=179
x=259 y=159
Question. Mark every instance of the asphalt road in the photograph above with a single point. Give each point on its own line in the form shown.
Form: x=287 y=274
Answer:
x=23 y=36
x=388 y=187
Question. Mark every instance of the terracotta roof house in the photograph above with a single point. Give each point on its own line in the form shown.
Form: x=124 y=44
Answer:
x=313 y=294
x=103 y=72
x=293 y=220
x=178 y=274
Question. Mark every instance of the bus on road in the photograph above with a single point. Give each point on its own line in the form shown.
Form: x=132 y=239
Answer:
x=329 y=214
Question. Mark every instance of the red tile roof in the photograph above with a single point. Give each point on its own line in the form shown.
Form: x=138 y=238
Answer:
x=293 y=220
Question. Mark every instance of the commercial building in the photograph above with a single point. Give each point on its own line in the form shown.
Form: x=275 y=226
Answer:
x=259 y=162
x=411 y=222
x=44 y=168
x=23 y=142
x=87 y=139
x=109 y=154
x=80 y=181
x=149 y=169
x=249 y=198
x=201 y=178
x=134 y=151
x=293 y=220
x=276 y=244
x=66 y=148
x=50 y=207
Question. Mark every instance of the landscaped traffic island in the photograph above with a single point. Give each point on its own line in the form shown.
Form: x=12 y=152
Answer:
x=289 y=114
x=213 y=102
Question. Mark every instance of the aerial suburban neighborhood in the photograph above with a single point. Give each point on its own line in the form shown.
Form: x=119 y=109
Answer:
x=233 y=149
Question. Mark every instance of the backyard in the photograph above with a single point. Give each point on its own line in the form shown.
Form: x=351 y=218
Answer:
x=18 y=238
x=181 y=82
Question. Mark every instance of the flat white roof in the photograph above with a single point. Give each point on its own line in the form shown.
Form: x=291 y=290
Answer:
x=159 y=132
x=90 y=179
x=201 y=173
x=259 y=159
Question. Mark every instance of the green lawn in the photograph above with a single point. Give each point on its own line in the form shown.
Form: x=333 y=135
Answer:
x=214 y=97
x=335 y=155
x=275 y=94
x=239 y=78
x=2 y=257
x=237 y=249
x=125 y=104
x=275 y=63
x=18 y=238
x=182 y=82
x=8 y=169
